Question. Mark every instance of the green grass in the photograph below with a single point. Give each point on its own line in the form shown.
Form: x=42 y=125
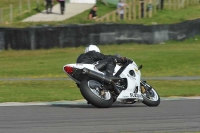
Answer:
x=167 y=16
x=5 y=4
x=28 y=91
x=176 y=88
x=170 y=59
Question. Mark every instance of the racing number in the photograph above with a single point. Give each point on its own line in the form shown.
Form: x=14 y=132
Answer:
x=133 y=95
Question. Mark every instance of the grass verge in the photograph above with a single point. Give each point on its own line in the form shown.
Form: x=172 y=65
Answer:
x=176 y=88
x=28 y=91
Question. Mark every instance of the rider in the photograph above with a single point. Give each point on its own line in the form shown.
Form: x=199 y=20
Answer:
x=102 y=62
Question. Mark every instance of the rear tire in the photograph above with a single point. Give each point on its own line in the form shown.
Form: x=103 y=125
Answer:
x=87 y=88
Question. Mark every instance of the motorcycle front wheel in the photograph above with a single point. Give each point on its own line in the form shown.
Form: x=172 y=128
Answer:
x=150 y=96
x=93 y=92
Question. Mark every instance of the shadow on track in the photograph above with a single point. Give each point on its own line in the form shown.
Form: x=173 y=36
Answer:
x=85 y=105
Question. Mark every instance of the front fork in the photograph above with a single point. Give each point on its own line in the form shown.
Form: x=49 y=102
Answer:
x=144 y=86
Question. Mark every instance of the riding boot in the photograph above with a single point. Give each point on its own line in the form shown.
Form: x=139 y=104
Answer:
x=107 y=73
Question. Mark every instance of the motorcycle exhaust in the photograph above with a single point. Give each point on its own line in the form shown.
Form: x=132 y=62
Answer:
x=102 y=78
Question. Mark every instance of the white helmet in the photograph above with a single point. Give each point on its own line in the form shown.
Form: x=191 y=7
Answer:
x=92 y=48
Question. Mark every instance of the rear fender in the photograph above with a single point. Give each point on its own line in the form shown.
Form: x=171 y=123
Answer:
x=81 y=66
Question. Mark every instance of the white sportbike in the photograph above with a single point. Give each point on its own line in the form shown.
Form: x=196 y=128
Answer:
x=102 y=91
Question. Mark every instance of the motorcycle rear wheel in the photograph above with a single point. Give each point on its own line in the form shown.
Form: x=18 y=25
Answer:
x=91 y=91
x=150 y=97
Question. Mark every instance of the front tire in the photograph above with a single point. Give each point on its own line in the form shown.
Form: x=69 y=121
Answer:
x=150 y=96
x=90 y=91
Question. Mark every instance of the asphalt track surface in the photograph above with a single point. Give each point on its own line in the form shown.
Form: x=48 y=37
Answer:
x=169 y=116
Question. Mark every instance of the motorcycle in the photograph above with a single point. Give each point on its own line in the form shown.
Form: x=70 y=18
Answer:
x=125 y=86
